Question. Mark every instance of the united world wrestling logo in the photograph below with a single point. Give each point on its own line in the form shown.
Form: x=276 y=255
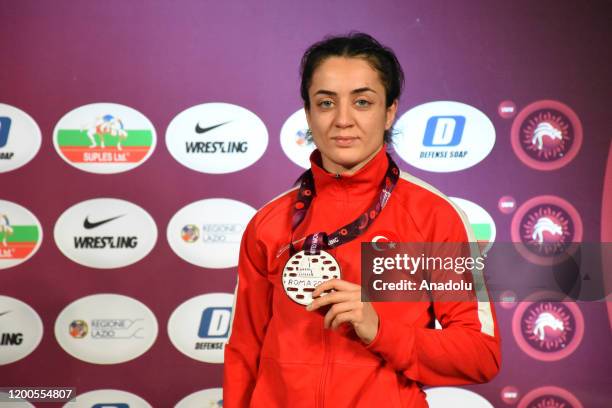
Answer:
x=546 y=229
x=546 y=135
x=549 y=397
x=547 y=330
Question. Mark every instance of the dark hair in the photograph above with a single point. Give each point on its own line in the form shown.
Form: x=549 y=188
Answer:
x=356 y=45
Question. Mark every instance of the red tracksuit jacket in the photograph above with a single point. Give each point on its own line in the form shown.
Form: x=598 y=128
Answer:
x=279 y=354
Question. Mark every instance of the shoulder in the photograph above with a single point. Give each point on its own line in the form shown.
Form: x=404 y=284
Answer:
x=431 y=210
x=276 y=213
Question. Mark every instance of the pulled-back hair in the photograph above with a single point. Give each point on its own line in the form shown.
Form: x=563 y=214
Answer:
x=355 y=45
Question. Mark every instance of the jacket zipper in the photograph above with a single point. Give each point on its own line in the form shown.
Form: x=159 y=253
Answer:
x=326 y=359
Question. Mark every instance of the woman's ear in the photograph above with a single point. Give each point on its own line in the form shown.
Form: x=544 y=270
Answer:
x=391 y=112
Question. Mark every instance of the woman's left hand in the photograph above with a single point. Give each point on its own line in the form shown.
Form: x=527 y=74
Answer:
x=346 y=307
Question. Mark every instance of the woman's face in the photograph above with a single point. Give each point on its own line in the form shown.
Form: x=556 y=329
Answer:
x=347 y=113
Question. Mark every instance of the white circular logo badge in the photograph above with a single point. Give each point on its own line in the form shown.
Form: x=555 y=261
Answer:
x=216 y=138
x=20 y=138
x=108 y=399
x=199 y=328
x=444 y=397
x=105 y=233
x=20 y=330
x=207 y=233
x=444 y=136
x=209 y=398
x=20 y=234
x=293 y=139
x=104 y=138
x=481 y=222
x=106 y=329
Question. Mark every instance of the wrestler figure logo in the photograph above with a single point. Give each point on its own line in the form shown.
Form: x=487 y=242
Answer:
x=546 y=135
x=546 y=229
x=549 y=397
x=548 y=330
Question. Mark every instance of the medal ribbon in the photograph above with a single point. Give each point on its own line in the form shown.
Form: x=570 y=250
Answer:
x=321 y=240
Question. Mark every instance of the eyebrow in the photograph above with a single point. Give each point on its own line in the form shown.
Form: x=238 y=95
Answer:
x=354 y=91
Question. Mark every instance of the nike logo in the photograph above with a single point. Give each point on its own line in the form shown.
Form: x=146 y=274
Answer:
x=201 y=130
x=91 y=225
x=3 y=313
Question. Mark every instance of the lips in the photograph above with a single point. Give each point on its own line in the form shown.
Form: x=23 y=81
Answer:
x=345 y=140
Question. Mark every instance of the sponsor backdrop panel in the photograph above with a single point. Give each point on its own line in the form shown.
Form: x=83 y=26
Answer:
x=136 y=143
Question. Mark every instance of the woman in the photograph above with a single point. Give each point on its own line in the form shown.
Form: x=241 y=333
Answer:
x=337 y=351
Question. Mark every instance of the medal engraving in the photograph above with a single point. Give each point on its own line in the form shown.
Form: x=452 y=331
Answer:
x=304 y=272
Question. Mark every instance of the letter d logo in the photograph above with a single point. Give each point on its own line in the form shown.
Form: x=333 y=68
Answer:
x=5 y=126
x=215 y=322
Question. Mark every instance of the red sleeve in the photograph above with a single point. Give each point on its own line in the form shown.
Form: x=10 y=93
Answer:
x=250 y=317
x=466 y=350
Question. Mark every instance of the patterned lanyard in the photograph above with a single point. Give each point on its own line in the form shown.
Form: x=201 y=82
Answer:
x=314 y=243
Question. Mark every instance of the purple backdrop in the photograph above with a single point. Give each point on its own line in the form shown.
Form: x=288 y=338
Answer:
x=163 y=57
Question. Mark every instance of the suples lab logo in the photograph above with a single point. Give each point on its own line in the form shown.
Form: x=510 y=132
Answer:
x=104 y=138
x=20 y=234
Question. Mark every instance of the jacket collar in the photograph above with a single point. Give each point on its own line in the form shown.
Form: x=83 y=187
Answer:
x=364 y=184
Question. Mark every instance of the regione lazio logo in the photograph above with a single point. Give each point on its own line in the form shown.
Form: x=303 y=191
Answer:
x=293 y=139
x=20 y=234
x=547 y=330
x=105 y=233
x=207 y=233
x=546 y=135
x=108 y=399
x=106 y=329
x=216 y=138
x=481 y=222
x=444 y=397
x=549 y=397
x=444 y=136
x=104 y=138
x=209 y=398
x=19 y=138
x=199 y=328
x=547 y=228
x=20 y=330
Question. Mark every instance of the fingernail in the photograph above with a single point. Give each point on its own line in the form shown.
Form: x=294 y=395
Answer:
x=309 y=307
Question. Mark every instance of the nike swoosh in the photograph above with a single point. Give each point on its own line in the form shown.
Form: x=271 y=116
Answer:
x=3 y=313
x=91 y=225
x=201 y=130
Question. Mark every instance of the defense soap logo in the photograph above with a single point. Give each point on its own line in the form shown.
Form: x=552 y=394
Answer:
x=216 y=138
x=546 y=135
x=549 y=397
x=105 y=233
x=443 y=397
x=293 y=139
x=481 y=222
x=209 y=398
x=20 y=330
x=106 y=329
x=108 y=399
x=199 y=328
x=548 y=228
x=19 y=138
x=444 y=136
x=20 y=234
x=207 y=233
x=547 y=330
x=104 y=138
